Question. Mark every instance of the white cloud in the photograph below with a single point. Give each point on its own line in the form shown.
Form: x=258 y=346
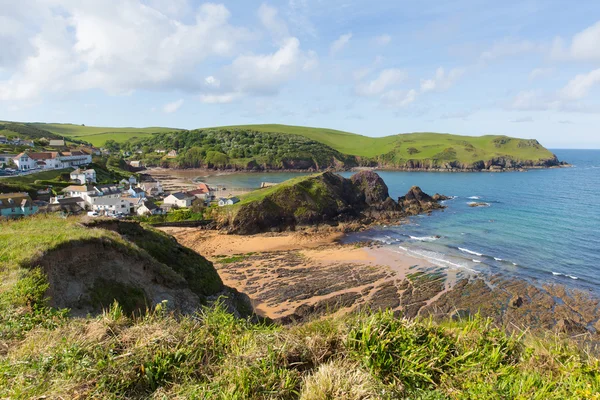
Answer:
x=172 y=107
x=115 y=46
x=340 y=43
x=508 y=48
x=269 y=18
x=442 y=80
x=583 y=46
x=579 y=87
x=382 y=40
x=399 y=98
x=540 y=73
x=212 y=82
x=386 y=78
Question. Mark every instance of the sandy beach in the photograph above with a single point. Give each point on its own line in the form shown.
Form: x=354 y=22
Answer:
x=285 y=272
x=174 y=180
x=293 y=276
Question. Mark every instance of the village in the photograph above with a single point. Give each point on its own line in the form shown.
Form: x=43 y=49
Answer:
x=128 y=197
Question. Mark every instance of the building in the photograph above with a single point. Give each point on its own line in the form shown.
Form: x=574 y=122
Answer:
x=179 y=199
x=3 y=139
x=51 y=160
x=149 y=208
x=151 y=188
x=6 y=159
x=111 y=206
x=136 y=164
x=79 y=191
x=57 y=143
x=14 y=205
x=228 y=202
x=136 y=192
x=132 y=180
x=65 y=201
x=172 y=153
x=84 y=176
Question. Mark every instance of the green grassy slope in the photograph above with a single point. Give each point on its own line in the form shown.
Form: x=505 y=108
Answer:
x=99 y=135
x=213 y=355
x=428 y=144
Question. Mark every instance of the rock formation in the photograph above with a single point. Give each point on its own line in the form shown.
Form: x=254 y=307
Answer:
x=324 y=198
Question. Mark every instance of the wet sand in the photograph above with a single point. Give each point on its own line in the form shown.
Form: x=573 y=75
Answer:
x=293 y=276
x=174 y=180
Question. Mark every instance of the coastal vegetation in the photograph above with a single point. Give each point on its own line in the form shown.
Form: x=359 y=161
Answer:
x=259 y=147
x=136 y=348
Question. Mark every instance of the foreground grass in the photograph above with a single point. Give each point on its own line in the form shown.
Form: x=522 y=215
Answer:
x=213 y=355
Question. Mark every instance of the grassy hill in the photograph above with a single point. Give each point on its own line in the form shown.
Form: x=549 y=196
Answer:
x=423 y=150
x=428 y=144
x=97 y=135
x=214 y=355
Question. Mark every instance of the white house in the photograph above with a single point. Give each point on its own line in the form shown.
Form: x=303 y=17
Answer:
x=179 y=199
x=151 y=188
x=79 y=191
x=69 y=200
x=84 y=176
x=111 y=206
x=51 y=160
x=149 y=208
x=228 y=202
x=6 y=159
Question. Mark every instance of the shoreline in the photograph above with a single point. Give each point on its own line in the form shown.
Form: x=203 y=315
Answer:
x=292 y=276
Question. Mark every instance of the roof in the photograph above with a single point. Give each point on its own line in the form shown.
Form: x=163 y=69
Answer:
x=108 y=189
x=57 y=142
x=138 y=190
x=10 y=200
x=203 y=186
x=78 y=188
x=181 y=195
x=70 y=200
x=150 y=205
x=76 y=171
x=103 y=201
x=39 y=156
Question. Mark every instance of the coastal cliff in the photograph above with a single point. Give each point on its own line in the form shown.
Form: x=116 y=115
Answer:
x=325 y=198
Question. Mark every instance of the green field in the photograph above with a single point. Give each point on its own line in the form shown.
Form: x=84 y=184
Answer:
x=98 y=135
x=428 y=144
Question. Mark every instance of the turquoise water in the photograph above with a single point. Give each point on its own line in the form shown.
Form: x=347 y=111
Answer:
x=543 y=225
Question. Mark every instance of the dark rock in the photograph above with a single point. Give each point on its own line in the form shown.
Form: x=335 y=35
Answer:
x=480 y=204
x=570 y=327
x=516 y=302
x=417 y=202
x=372 y=186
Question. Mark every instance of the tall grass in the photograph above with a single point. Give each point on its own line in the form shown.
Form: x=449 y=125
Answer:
x=213 y=355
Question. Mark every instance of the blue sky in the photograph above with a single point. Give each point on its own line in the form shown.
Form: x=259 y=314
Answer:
x=522 y=68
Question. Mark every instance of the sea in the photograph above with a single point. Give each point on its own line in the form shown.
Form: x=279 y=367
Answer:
x=540 y=225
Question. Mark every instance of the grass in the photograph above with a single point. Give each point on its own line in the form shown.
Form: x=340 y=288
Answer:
x=427 y=144
x=214 y=355
x=99 y=135
x=393 y=150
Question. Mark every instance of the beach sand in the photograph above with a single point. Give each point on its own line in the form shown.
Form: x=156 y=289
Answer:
x=283 y=272
x=294 y=276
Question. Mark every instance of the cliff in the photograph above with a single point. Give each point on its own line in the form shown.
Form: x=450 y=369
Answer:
x=86 y=267
x=323 y=198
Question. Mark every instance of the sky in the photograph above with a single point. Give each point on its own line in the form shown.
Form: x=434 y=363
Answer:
x=528 y=68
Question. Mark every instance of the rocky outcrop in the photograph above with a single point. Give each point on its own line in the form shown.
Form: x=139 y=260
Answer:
x=417 y=202
x=325 y=198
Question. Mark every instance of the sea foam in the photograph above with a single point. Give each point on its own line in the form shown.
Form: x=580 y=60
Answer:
x=470 y=251
x=424 y=238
